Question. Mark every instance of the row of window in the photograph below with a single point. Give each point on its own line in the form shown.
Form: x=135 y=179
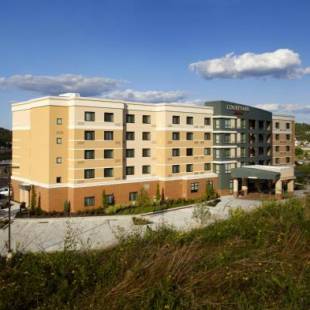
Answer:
x=90 y=201
x=287 y=125
x=288 y=137
x=146 y=119
x=287 y=160
x=146 y=169
x=176 y=120
x=287 y=147
x=109 y=117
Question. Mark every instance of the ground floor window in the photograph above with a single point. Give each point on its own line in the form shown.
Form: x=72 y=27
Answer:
x=110 y=199
x=89 y=201
x=194 y=187
x=133 y=196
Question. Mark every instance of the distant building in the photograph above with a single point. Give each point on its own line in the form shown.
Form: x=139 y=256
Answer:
x=74 y=148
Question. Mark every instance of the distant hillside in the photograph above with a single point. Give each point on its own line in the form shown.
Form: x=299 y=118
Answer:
x=5 y=137
x=302 y=131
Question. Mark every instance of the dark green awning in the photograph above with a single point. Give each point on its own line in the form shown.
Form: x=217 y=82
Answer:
x=254 y=173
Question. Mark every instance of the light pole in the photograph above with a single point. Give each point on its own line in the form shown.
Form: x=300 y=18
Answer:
x=9 y=166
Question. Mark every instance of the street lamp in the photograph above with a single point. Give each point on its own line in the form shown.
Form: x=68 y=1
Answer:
x=10 y=167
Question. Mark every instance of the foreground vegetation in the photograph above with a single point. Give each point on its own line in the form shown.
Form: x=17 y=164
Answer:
x=259 y=260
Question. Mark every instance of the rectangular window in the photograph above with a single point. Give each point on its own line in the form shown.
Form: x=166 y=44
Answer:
x=207 y=136
x=227 y=138
x=175 y=152
x=130 y=170
x=133 y=196
x=277 y=148
x=194 y=187
x=287 y=160
x=207 y=151
x=243 y=123
x=146 y=152
x=108 y=172
x=175 y=168
x=58 y=160
x=277 y=160
x=217 y=153
x=277 y=136
x=243 y=138
x=217 y=123
x=189 y=120
x=89 y=154
x=189 y=168
x=89 y=116
x=58 y=179
x=89 y=135
x=288 y=137
x=217 y=138
x=146 y=119
x=89 y=173
x=146 y=135
x=277 y=125
x=228 y=167
x=217 y=168
x=59 y=140
x=130 y=153
x=207 y=166
x=207 y=121
x=108 y=117
x=59 y=121
x=108 y=135
x=261 y=124
x=189 y=152
x=175 y=136
x=288 y=148
x=146 y=169
x=130 y=135
x=189 y=136
x=89 y=201
x=227 y=123
x=243 y=152
x=108 y=153
x=288 y=125
x=110 y=199
x=130 y=118
x=175 y=119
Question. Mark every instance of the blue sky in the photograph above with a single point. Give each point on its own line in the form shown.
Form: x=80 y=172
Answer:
x=143 y=49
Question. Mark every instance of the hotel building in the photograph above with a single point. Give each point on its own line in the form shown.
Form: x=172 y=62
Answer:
x=71 y=148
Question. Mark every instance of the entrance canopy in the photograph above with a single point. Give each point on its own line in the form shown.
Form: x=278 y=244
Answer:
x=263 y=172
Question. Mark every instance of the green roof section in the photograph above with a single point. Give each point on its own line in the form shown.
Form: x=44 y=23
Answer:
x=254 y=173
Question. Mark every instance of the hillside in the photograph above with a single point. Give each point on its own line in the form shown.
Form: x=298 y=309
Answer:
x=251 y=261
x=302 y=131
x=5 y=137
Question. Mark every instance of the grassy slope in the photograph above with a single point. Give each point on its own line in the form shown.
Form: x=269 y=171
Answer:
x=302 y=131
x=251 y=261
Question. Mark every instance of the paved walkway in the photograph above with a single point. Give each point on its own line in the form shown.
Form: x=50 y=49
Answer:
x=104 y=231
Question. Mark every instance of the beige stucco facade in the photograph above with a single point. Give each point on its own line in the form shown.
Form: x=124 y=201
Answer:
x=50 y=146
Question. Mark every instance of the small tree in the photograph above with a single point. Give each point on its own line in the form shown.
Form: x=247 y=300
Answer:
x=33 y=198
x=201 y=214
x=104 y=200
x=157 y=197
x=67 y=207
x=39 y=201
x=210 y=192
x=162 y=199
x=143 y=198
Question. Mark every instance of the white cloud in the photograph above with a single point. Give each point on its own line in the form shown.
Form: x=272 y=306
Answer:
x=286 y=108
x=54 y=85
x=282 y=63
x=151 y=96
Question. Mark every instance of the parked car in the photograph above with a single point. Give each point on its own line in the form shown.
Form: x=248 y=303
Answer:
x=4 y=191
